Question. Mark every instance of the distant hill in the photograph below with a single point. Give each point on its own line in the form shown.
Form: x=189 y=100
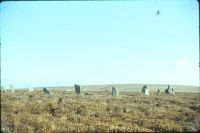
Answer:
x=138 y=87
x=131 y=87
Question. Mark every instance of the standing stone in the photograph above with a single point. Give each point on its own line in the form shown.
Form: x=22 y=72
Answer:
x=115 y=92
x=143 y=88
x=47 y=91
x=146 y=91
x=169 y=90
x=166 y=91
x=172 y=92
x=77 y=89
x=158 y=91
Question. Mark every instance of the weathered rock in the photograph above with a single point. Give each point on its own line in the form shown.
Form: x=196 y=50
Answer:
x=170 y=90
x=166 y=91
x=115 y=92
x=77 y=89
x=47 y=91
x=125 y=110
x=146 y=91
x=143 y=88
x=158 y=91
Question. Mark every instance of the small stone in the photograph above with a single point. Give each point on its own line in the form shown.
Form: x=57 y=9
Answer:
x=47 y=91
x=126 y=110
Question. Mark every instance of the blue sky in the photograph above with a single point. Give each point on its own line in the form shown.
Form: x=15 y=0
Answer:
x=99 y=42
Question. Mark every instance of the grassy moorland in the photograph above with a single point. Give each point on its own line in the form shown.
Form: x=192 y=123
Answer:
x=94 y=111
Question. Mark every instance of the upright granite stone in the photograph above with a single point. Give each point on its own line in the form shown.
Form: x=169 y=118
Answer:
x=115 y=92
x=77 y=89
x=143 y=88
x=158 y=91
x=47 y=91
x=170 y=90
x=166 y=91
x=146 y=91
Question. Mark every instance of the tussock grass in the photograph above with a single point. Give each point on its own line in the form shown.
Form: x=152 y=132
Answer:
x=24 y=112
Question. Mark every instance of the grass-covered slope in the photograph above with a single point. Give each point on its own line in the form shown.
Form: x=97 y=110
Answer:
x=24 y=112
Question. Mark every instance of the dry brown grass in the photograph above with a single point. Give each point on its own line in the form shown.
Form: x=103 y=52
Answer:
x=99 y=112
